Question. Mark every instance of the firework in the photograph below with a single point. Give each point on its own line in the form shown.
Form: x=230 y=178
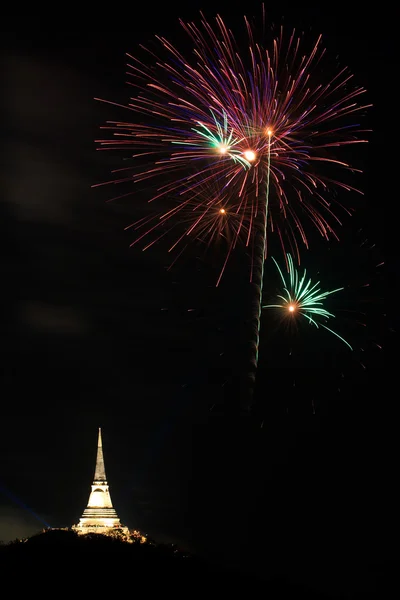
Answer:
x=303 y=299
x=318 y=365
x=263 y=125
x=220 y=115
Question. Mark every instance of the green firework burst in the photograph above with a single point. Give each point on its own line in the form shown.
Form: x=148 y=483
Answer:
x=302 y=298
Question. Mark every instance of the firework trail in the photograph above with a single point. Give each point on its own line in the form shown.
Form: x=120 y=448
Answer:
x=302 y=298
x=262 y=124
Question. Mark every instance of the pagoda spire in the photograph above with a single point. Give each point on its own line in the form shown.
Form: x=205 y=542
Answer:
x=100 y=472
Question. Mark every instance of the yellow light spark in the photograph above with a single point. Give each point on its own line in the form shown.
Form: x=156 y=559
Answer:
x=249 y=155
x=269 y=132
x=222 y=211
x=223 y=149
x=292 y=308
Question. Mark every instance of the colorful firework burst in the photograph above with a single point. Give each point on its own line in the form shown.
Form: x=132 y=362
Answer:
x=242 y=120
x=302 y=298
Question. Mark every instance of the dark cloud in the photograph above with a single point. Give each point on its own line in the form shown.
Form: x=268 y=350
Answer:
x=46 y=318
x=45 y=171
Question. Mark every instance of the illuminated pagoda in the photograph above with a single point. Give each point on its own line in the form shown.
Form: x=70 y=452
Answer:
x=100 y=516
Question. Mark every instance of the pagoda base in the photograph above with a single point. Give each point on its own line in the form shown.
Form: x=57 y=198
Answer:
x=104 y=529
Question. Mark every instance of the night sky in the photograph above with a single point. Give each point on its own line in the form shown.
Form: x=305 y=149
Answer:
x=98 y=334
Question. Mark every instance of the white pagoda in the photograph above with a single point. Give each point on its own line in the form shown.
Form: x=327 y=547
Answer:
x=100 y=516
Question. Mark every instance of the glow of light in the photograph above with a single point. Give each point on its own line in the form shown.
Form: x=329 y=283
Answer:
x=291 y=308
x=223 y=149
x=249 y=155
x=222 y=211
x=269 y=132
